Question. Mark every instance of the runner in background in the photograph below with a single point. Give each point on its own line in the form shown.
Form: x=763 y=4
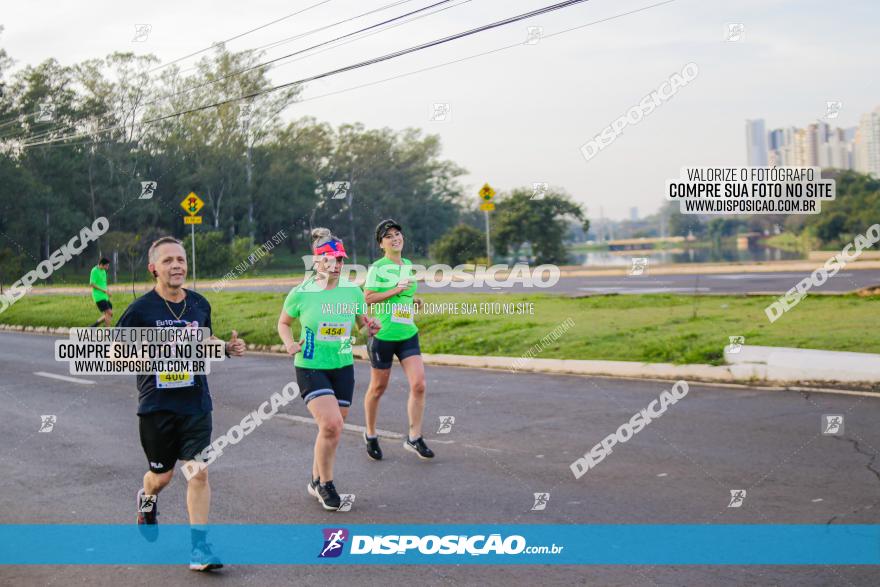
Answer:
x=389 y=285
x=327 y=307
x=100 y=292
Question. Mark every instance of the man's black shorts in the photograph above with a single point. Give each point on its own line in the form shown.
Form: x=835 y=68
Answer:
x=317 y=382
x=104 y=305
x=168 y=437
x=382 y=351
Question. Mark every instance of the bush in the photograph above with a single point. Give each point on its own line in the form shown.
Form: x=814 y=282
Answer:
x=213 y=255
x=462 y=244
x=255 y=256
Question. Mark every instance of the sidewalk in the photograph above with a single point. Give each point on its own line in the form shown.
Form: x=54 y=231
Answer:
x=753 y=366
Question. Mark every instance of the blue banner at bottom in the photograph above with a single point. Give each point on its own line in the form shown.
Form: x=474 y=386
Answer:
x=490 y=544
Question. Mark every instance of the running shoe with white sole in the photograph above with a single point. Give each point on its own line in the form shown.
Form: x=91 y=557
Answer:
x=373 y=450
x=328 y=496
x=419 y=447
x=202 y=559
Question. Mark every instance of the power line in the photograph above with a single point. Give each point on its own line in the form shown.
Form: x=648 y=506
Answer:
x=366 y=63
x=271 y=61
x=319 y=29
x=253 y=30
x=48 y=132
x=484 y=53
x=179 y=59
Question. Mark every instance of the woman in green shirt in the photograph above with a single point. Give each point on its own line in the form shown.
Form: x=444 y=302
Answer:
x=327 y=307
x=390 y=286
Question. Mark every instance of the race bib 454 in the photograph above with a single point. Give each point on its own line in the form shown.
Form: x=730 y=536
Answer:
x=333 y=331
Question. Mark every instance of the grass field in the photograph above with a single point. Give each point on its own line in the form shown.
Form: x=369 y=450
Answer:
x=649 y=328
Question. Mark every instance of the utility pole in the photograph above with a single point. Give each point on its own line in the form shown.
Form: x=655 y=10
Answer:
x=351 y=212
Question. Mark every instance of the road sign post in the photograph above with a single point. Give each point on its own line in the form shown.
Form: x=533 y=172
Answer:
x=486 y=194
x=192 y=204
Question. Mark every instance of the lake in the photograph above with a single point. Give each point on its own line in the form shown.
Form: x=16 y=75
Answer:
x=701 y=255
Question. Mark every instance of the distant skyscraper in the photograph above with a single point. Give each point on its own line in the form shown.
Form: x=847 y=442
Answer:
x=867 y=143
x=756 y=143
x=634 y=213
x=812 y=140
x=776 y=138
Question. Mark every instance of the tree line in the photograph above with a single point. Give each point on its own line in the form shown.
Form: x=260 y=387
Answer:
x=78 y=142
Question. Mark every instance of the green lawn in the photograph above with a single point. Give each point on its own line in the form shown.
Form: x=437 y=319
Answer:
x=651 y=328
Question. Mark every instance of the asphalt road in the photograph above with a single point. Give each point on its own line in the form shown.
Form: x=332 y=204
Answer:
x=514 y=435
x=717 y=283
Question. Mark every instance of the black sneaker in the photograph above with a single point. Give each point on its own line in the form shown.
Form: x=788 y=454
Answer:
x=373 y=450
x=328 y=497
x=419 y=447
x=147 y=515
x=202 y=559
x=313 y=487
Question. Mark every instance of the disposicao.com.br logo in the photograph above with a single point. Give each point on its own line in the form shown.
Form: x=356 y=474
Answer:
x=455 y=544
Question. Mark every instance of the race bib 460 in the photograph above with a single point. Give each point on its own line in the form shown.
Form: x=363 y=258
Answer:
x=402 y=313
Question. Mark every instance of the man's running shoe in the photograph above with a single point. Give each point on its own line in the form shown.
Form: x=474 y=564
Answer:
x=313 y=488
x=373 y=450
x=202 y=559
x=328 y=497
x=419 y=447
x=147 y=515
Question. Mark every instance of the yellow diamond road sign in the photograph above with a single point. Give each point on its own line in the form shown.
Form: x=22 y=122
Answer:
x=486 y=192
x=192 y=204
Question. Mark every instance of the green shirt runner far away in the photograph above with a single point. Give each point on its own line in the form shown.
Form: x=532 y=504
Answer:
x=396 y=313
x=98 y=277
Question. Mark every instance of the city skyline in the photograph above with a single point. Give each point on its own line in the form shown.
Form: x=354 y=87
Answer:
x=819 y=144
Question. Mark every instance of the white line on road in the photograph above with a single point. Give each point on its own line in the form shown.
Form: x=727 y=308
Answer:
x=379 y=431
x=64 y=378
x=483 y=448
x=349 y=427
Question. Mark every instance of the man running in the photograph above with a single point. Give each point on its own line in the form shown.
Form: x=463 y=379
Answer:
x=175 y=416
x=327 y=307
x=100 y=292
x=389 y=285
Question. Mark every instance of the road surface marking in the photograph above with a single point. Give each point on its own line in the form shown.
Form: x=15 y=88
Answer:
x=64 y=378
x=483 y=448
x=349 y=427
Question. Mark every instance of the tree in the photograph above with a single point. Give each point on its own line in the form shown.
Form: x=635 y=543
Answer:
x=856 y=207
x=543 y=223
x=462 y=244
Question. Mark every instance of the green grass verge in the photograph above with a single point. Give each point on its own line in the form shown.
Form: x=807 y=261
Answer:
x=649 y=328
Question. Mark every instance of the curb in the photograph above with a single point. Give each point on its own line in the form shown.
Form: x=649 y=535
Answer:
x=751 y=375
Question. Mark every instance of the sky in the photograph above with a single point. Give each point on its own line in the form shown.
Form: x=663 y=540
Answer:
x=519 y=116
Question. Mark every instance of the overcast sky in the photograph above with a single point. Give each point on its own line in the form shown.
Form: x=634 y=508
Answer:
x=519 y=116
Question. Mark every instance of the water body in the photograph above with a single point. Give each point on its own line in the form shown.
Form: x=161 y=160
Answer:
x=702 y=255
